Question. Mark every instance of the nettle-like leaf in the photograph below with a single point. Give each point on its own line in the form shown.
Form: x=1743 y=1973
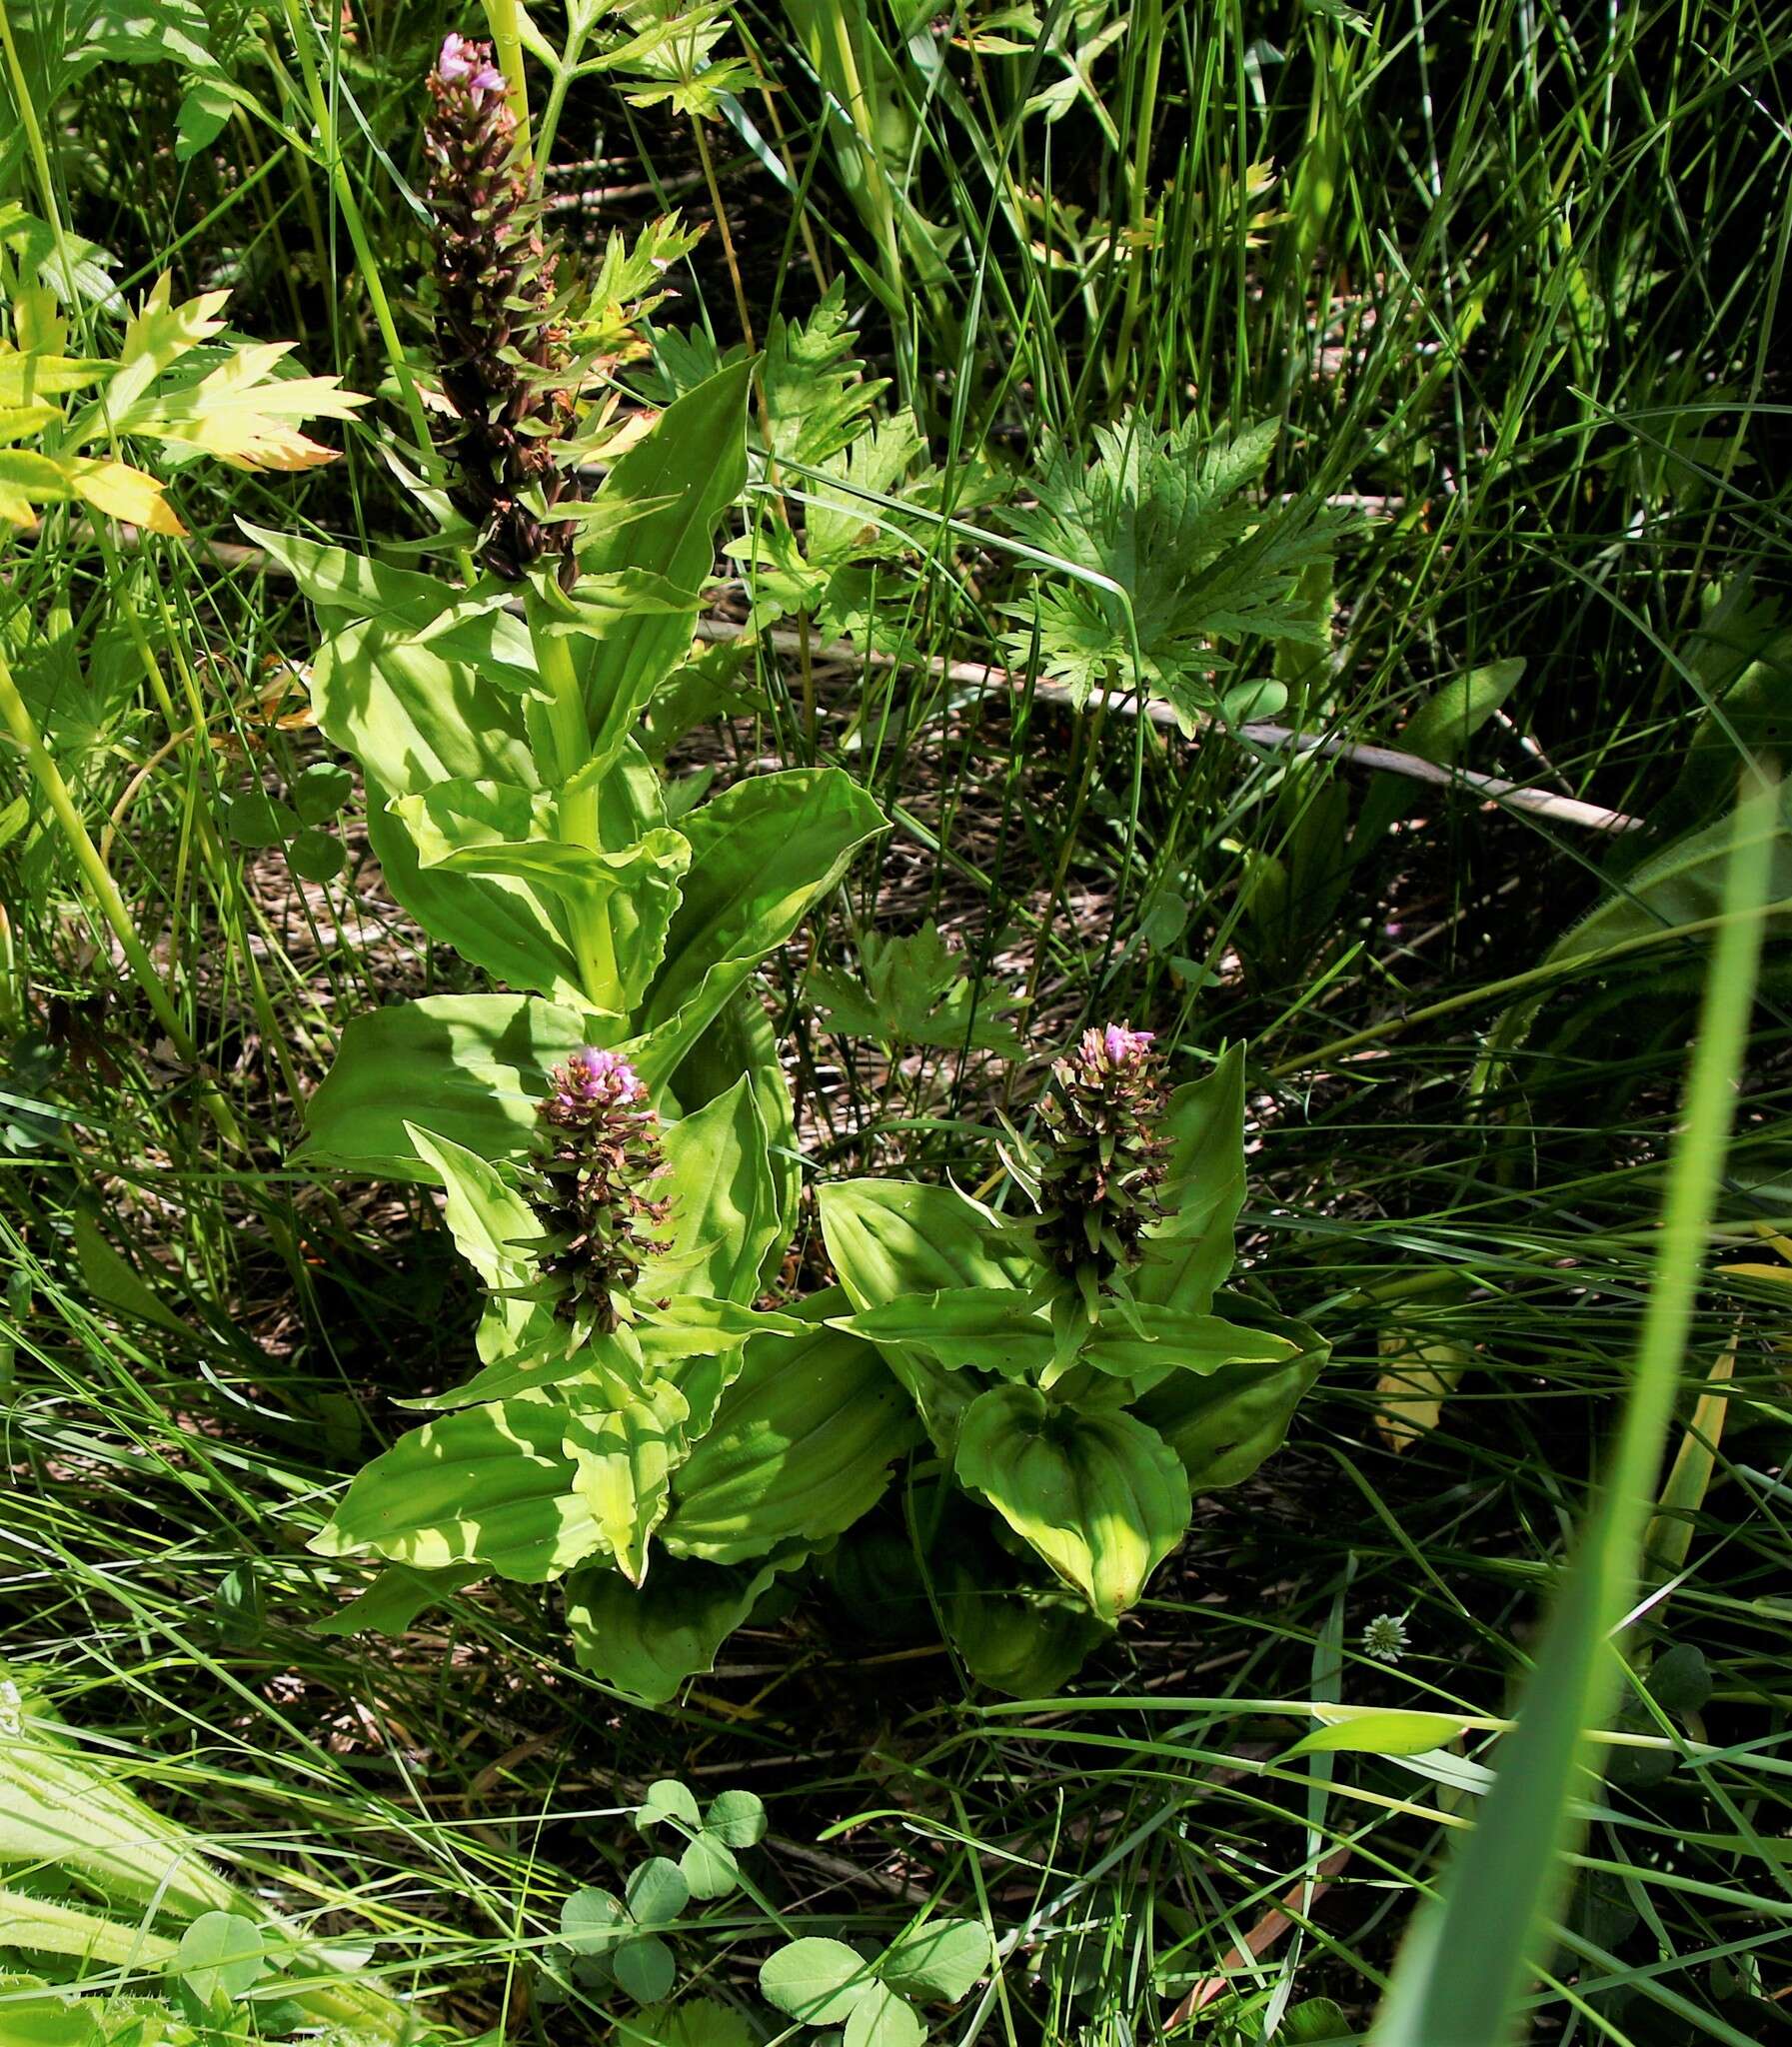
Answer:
x=1189 y=559
x=913 y=994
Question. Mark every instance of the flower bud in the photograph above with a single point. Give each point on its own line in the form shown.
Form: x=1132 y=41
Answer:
x=502 y=347
x=1105 y=1160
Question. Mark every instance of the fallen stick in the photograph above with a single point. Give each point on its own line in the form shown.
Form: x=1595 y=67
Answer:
x=1268 y=1929
x=1493 y=789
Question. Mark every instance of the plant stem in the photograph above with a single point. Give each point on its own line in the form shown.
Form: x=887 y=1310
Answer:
x=505 y=20
x=593 y=939
x=364 y=258
x=728 y=239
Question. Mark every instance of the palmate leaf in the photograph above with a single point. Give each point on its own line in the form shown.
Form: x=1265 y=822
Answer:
x=1193 y=561
x=914 y=994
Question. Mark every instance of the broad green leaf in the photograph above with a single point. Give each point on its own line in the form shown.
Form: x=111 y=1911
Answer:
x=888 y=1239
x=113 y=1280
x=801 y=1446
x=469 y=859
x=1224 y=1426
x=940 y=1959
x=219 y=1956
x=817 y=1980
x=647 y=1642
x=761 y=855
x=473 y=627
x=974 y=1329
x=668 y=1798
x=59 y=1809
x=622 y=1460
x=545 y=887
x=884 y=2019
x=725 y=1216
x=645 y=1969
x=741 y=1041
x=692 y=466
x=491 y=1226
x=1102 y=1497
x=1372 y=1731
x=915 y=993
x=36 y=2016
x=1190 y=1251
x=709 y=1867
x=487 y=1486
x=470 y=1068
x=412 y=718
x=1025 y=1643
x=1170 y=1340
x=395 y=1601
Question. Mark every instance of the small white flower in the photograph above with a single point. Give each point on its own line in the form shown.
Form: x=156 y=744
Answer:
x=1385 y=1639
x=12 y=1712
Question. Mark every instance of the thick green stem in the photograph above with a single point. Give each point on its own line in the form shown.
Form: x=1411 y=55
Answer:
x=593 y=939
x=503 y=18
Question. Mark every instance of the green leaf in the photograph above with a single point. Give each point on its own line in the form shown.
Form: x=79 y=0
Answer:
x=115 y=1281
x=221 y=1956
x=888 y=1239
x=491 y=1224
x=801 y=1446
x=657 y=1892
x=254 y=820
x=884 y=2019
x=41 y=1926
x=485 y=1485
x=645 y=1969
x=647 y=1642
x=760 y=854
x=1373 y=1731
x=316 y=856
x=1102 y=1497
x=1224 y=1426
x=541 y=886
x=414 y=717
x=735 y=1818
x=320 y=791
x=470 y=1068
x=709 y=1867
x=915 y=994
x=694 y=2022
x=623 y=1462
x=1190 y=1251
x=726 y=1216
x=395 y=1600
x=474 y=627
x=818 y=1981
x=1438 y=730
x=940 y=1959
x=694 y=464
x=60 y=1809
x=666 y=1799
x=593 y=1921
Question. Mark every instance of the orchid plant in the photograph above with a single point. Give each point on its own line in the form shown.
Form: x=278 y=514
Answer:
x=650 y=1427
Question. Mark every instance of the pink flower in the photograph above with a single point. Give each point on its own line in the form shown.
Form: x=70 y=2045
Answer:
x=1113 y=1049
x=591 y=1082
x=465 y=62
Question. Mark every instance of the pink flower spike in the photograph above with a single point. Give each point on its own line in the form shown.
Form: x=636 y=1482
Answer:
x=1125 y=1047
x=465 y=62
